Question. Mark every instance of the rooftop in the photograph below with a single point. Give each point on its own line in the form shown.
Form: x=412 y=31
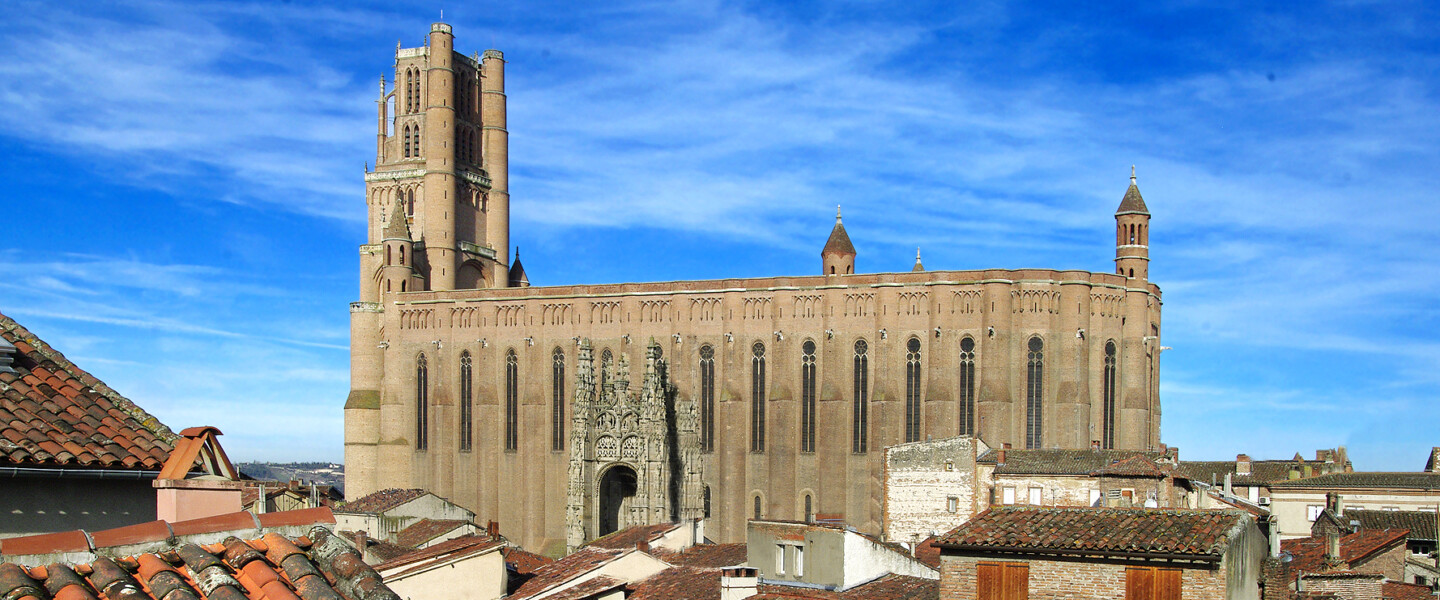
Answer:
x=1374 y=479
x=706 y=555
x=1186 y=533
x=1420 y=523
x=54 y=414
x=1137 y=466
x=558 y=572
x=382 y=500
x=1356 y=548
x=1058 y=462
x=630 y=537
x=425 y=530
x=442 y=553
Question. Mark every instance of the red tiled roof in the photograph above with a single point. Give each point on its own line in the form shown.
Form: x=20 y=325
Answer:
x=1099 y=530
x=630 y=537
x=1136 y=466
x=706 y=555
x=587 y=589
x=380 y=550
x=1395 y=590
x=98 y=542
x=425 y=530
x=523 y=561
x=382 y=500
x=447 y=550
x=565 y=569
x=928 y=552
x=1355 y=548
x=679 y=583
x=317 y=566
x=52 y=413
x=889 y=587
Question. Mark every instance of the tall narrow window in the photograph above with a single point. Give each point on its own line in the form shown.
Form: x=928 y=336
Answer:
x=422 y=404
x=967 y=386
x=605 y=358
x=1109 y=391
x=466 y=403
x=809 y=509
x=1034 y=393
x=406 y=131
x=512 y=401
x=706 y=500
x=557 y=400
x=912 y=390
x=757 y=398
x=860 y=425
x=707 y=398
x=807 y=397
x=757 y=506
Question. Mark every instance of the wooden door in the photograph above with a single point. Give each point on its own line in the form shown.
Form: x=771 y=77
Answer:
x=1152 y=583
x=1002 y=581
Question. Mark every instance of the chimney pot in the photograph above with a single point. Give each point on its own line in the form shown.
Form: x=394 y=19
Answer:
x=492 y=529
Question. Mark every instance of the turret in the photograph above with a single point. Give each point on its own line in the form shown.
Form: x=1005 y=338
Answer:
x=397 y=269
x=438 y=149
x=381 y=130
x=517 y=272
x=838 y=256
x=496 y=157
x=1132 y=234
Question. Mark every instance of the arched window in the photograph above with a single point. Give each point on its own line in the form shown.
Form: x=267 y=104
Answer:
x=410 y=202
x=967 y=386
x=605 y=358
x=809 y=509
x=417 y=142
x=757 y=398
x=807 y=397
x=466 y=404
x=705 y=499
x=757 y=506
x=707 y=398
x=405 y=132
x=512 y=401
x=557 y=400
x=860 y=426
x=422 y=404
x=402 y=255
x=1034 y=392
x=912 y=390
x=1109 y=390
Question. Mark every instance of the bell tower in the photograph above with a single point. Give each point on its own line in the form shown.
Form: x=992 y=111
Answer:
x=1132 y=234
x=442 y=154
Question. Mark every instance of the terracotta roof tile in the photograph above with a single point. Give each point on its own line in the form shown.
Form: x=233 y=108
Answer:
x=889 y=587
x=314 y=567
x=1058 y=462
x=630 y=537
x=425 y=530
x=1137 y=466
x=1356 y=548
x=565 y=569
x=1420 y=523
x=839 y=241
x=446 y=550
x=1394 y=590
x=52 y=408
x=707 y=555
x=382 y=500
x=1097 y=530
x=522 y=561
x=679 y=583
x=928 y=552
x=1401 y=480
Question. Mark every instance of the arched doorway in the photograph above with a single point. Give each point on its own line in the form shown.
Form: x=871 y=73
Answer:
x=617 y=487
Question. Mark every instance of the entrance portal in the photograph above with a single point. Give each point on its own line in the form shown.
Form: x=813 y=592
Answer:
x=617 y=488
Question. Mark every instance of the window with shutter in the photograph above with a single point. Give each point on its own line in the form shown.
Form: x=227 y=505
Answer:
x=1002 y=581
x=1152 y=583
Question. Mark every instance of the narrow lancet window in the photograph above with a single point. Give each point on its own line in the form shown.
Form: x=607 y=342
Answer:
x=757 y=398
x=967 y=386
x=512 y=401
x=1034 y=393
x=707 y=398
x=1109 y=392
x=860 y=427
x=557 y=400
x=807 y=397
x=422 y=404
x=466 y=402
x=912 y=390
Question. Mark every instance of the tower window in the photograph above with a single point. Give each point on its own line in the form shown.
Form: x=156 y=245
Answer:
x=757 y=506
x=557 y=400
x=859 y=434
x=1108 y=436
x=912 y=390
x=757 y=398
x=466 y=405
x=705 y=497
x=422 y=404
x=809 y=509
x=707 y=398
x=967 y=386
x=807 y=397
x=1034 y=392
x=512 y=401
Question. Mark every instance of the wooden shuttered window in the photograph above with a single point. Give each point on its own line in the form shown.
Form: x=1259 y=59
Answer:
x=1002 y=581
x=1152 y=583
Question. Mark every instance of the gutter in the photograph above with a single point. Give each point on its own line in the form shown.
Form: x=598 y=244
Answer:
x=52 y=473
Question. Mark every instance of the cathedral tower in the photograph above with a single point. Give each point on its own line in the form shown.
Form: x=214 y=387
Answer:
x=1132 y=234
x=838 y=256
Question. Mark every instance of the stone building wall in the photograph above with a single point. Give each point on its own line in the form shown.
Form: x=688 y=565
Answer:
x=923 y=480
x=1350 y=586
x=1072 y=579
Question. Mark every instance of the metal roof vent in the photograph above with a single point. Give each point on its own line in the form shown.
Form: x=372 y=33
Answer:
x=7 y=356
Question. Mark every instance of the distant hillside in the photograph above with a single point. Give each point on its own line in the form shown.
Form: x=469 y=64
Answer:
x=316 y=472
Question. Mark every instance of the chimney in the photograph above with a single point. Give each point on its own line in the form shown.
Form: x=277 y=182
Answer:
x=643 y=545
x=1001 y=459
x=1242 y=464
x=262 y=503
x=294 y=484
x=1332 y=550
x=1229 y=490
x=1094 y=444
x=738 y=583
x=1332 y=502
x=7 y=356
x=362 y=543
x=492 y=529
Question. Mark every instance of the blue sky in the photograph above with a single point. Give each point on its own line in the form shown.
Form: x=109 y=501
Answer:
x=185 y=194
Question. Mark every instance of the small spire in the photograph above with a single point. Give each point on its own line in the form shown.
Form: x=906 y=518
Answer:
x=517 y=253
x=382 y=86
x=837 y=213
x=1132 y=174
x=918 y=266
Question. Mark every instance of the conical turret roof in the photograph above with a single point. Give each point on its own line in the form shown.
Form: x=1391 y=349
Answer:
x=517 y=272
x=396 y=227
x=1132 y=202
x=918 y=266
x=839 y=242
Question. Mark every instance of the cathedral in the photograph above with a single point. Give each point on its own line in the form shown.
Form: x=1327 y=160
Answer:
x=567 y=412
